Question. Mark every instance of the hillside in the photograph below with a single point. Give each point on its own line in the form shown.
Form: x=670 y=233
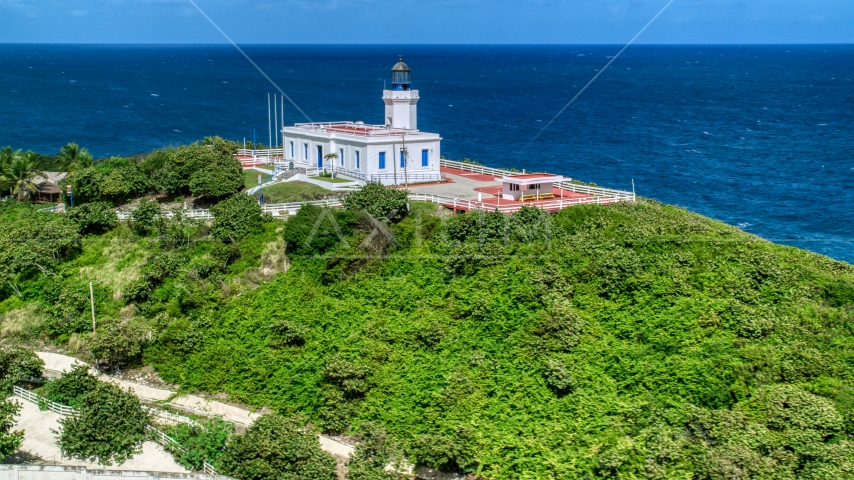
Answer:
x=632 y=340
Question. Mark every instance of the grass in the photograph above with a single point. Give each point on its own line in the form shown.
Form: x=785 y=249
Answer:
x=250 y=178
x=293 y=192
x=333 y=180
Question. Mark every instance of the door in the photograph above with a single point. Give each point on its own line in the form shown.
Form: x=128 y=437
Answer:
x=320 y=156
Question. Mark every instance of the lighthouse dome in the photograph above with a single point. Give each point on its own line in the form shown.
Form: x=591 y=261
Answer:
x=400 y=76
x=400 y=67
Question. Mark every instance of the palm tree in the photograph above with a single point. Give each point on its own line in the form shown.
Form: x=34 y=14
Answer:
x=21 y=173
x=331 y=157
x=74 y=157
x=6 y=157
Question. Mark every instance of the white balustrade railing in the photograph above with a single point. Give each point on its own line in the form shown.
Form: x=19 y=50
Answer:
x=618 y=195
x=558 y=204
x=266 y=152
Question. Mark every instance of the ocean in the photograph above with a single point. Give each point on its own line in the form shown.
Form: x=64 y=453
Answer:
x=759 y=137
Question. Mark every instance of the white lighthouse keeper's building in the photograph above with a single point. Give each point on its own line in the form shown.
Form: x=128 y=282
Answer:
x=396 y=153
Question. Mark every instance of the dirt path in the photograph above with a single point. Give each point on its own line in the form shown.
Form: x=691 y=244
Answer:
x=56 y=362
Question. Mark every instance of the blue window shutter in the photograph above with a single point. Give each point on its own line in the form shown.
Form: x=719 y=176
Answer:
x=402 y=160
x=382 y=160
x=341 y=159
x=425 y=158
x=358 y=166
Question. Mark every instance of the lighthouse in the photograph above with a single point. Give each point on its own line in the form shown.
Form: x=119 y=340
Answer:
x=401 y=110
x=394 y=152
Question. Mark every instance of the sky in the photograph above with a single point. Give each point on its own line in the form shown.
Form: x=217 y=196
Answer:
x=427 y=21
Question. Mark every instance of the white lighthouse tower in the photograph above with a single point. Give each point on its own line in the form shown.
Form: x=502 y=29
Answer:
x=401 y=109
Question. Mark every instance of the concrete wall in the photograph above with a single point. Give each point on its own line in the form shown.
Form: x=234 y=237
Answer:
x=31 y=472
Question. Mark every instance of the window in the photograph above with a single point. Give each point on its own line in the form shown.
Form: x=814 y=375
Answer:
x=341 y=157
x=402 y=159
x=305 y=151
x=358 y=163
x=292 y=149
x=514 y=187
x=425 y=158
x=382 y=160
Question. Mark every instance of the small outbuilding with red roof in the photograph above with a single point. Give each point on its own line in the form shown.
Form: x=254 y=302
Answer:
x=533 y=186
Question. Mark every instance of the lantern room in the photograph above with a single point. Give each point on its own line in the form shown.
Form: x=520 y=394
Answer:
x=400 y=76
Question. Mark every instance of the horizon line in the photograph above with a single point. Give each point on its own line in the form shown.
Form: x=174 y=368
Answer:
x=639 y=44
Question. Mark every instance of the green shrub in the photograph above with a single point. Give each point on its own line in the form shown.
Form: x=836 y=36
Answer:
x=85 y=184
x=350 y=378
x=235 y=218
x=109 y=426
x=374 y=453
x=146 y=217
x=18 y=364
x=67 y=312
x=560 y=327
x=275 y=447
x=93 y=218
x=221 y=178
x=224 y=146
x=204 y=442
x=287 y=333
x=158 y=268
x=10 y=441
x=195 y=168
x=69 y=388
x=123 y=183
x=480 y=226
x=384 y=203
x=557 y=376
x=315 y=230
x=529 y=224
x=114 y=180
x=119 y=344
x=444 y=452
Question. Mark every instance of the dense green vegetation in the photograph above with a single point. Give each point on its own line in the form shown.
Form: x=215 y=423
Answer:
x=631 y=340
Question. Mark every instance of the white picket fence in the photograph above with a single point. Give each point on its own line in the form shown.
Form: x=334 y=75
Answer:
x=276 y=209
x=39 y=400
x=165 y=440
x=169 y=416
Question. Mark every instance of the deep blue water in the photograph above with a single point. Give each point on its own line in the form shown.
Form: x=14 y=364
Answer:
x=756 y=136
